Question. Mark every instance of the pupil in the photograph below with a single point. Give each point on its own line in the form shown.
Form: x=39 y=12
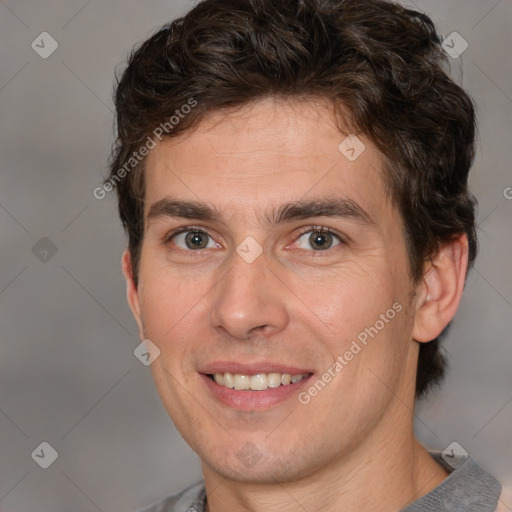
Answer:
x=320 y=241
x=196 y=240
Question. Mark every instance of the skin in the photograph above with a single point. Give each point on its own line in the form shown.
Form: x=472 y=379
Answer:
x=294 y=305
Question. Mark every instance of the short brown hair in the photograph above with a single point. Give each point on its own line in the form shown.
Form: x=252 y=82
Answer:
x=381 y=61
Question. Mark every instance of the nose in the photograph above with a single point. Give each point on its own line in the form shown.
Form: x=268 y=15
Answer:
x=250 y=299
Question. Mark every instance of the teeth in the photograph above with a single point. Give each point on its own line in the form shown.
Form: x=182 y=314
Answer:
x=242 y=382
x=229 y=380
x=258 y=382
x=274 y=380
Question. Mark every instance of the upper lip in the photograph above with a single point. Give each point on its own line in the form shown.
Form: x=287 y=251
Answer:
x=252 y=368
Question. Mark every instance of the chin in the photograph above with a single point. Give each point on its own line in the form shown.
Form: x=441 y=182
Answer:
x=250 y=466
x=260 y=474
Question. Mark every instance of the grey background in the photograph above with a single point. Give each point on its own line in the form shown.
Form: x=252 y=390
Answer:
x=68 y=375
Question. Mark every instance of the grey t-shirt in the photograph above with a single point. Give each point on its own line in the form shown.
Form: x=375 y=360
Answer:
x=468 y=488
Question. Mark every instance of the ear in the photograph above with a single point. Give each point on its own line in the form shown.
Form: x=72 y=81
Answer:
x=440 y=292
x=132 y=293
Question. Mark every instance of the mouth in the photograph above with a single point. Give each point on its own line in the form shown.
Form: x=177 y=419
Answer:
x=256 y=382
x=254 y=386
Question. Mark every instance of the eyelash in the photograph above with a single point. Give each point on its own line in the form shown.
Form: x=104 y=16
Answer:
x=318 y=229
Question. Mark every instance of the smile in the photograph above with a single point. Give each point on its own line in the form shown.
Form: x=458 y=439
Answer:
x=257 y=382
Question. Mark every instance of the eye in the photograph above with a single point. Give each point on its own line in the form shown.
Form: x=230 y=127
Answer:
x=193 y=240
x=318 y=240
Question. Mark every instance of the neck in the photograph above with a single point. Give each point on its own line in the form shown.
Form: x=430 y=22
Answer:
x=385 y=475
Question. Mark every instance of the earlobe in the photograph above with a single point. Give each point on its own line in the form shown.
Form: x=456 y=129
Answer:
x=441 y=289
x=132 y=293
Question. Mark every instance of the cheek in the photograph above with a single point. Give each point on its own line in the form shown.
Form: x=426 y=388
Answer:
x=170 y=308
x=349 y=297
x=363 y=309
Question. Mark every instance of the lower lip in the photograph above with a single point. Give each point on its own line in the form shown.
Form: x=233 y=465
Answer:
x=253 y=400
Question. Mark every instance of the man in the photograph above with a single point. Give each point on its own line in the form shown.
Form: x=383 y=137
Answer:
x=292 y=177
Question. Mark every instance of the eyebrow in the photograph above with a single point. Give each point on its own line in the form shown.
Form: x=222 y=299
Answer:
x=329 y=207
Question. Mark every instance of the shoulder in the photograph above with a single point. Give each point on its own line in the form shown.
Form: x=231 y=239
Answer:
x=468 y=488
x=190 y=499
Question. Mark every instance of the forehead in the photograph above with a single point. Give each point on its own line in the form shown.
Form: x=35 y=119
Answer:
x=266 y=154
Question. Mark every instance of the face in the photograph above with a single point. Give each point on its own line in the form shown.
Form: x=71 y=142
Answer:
x=269 y=256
